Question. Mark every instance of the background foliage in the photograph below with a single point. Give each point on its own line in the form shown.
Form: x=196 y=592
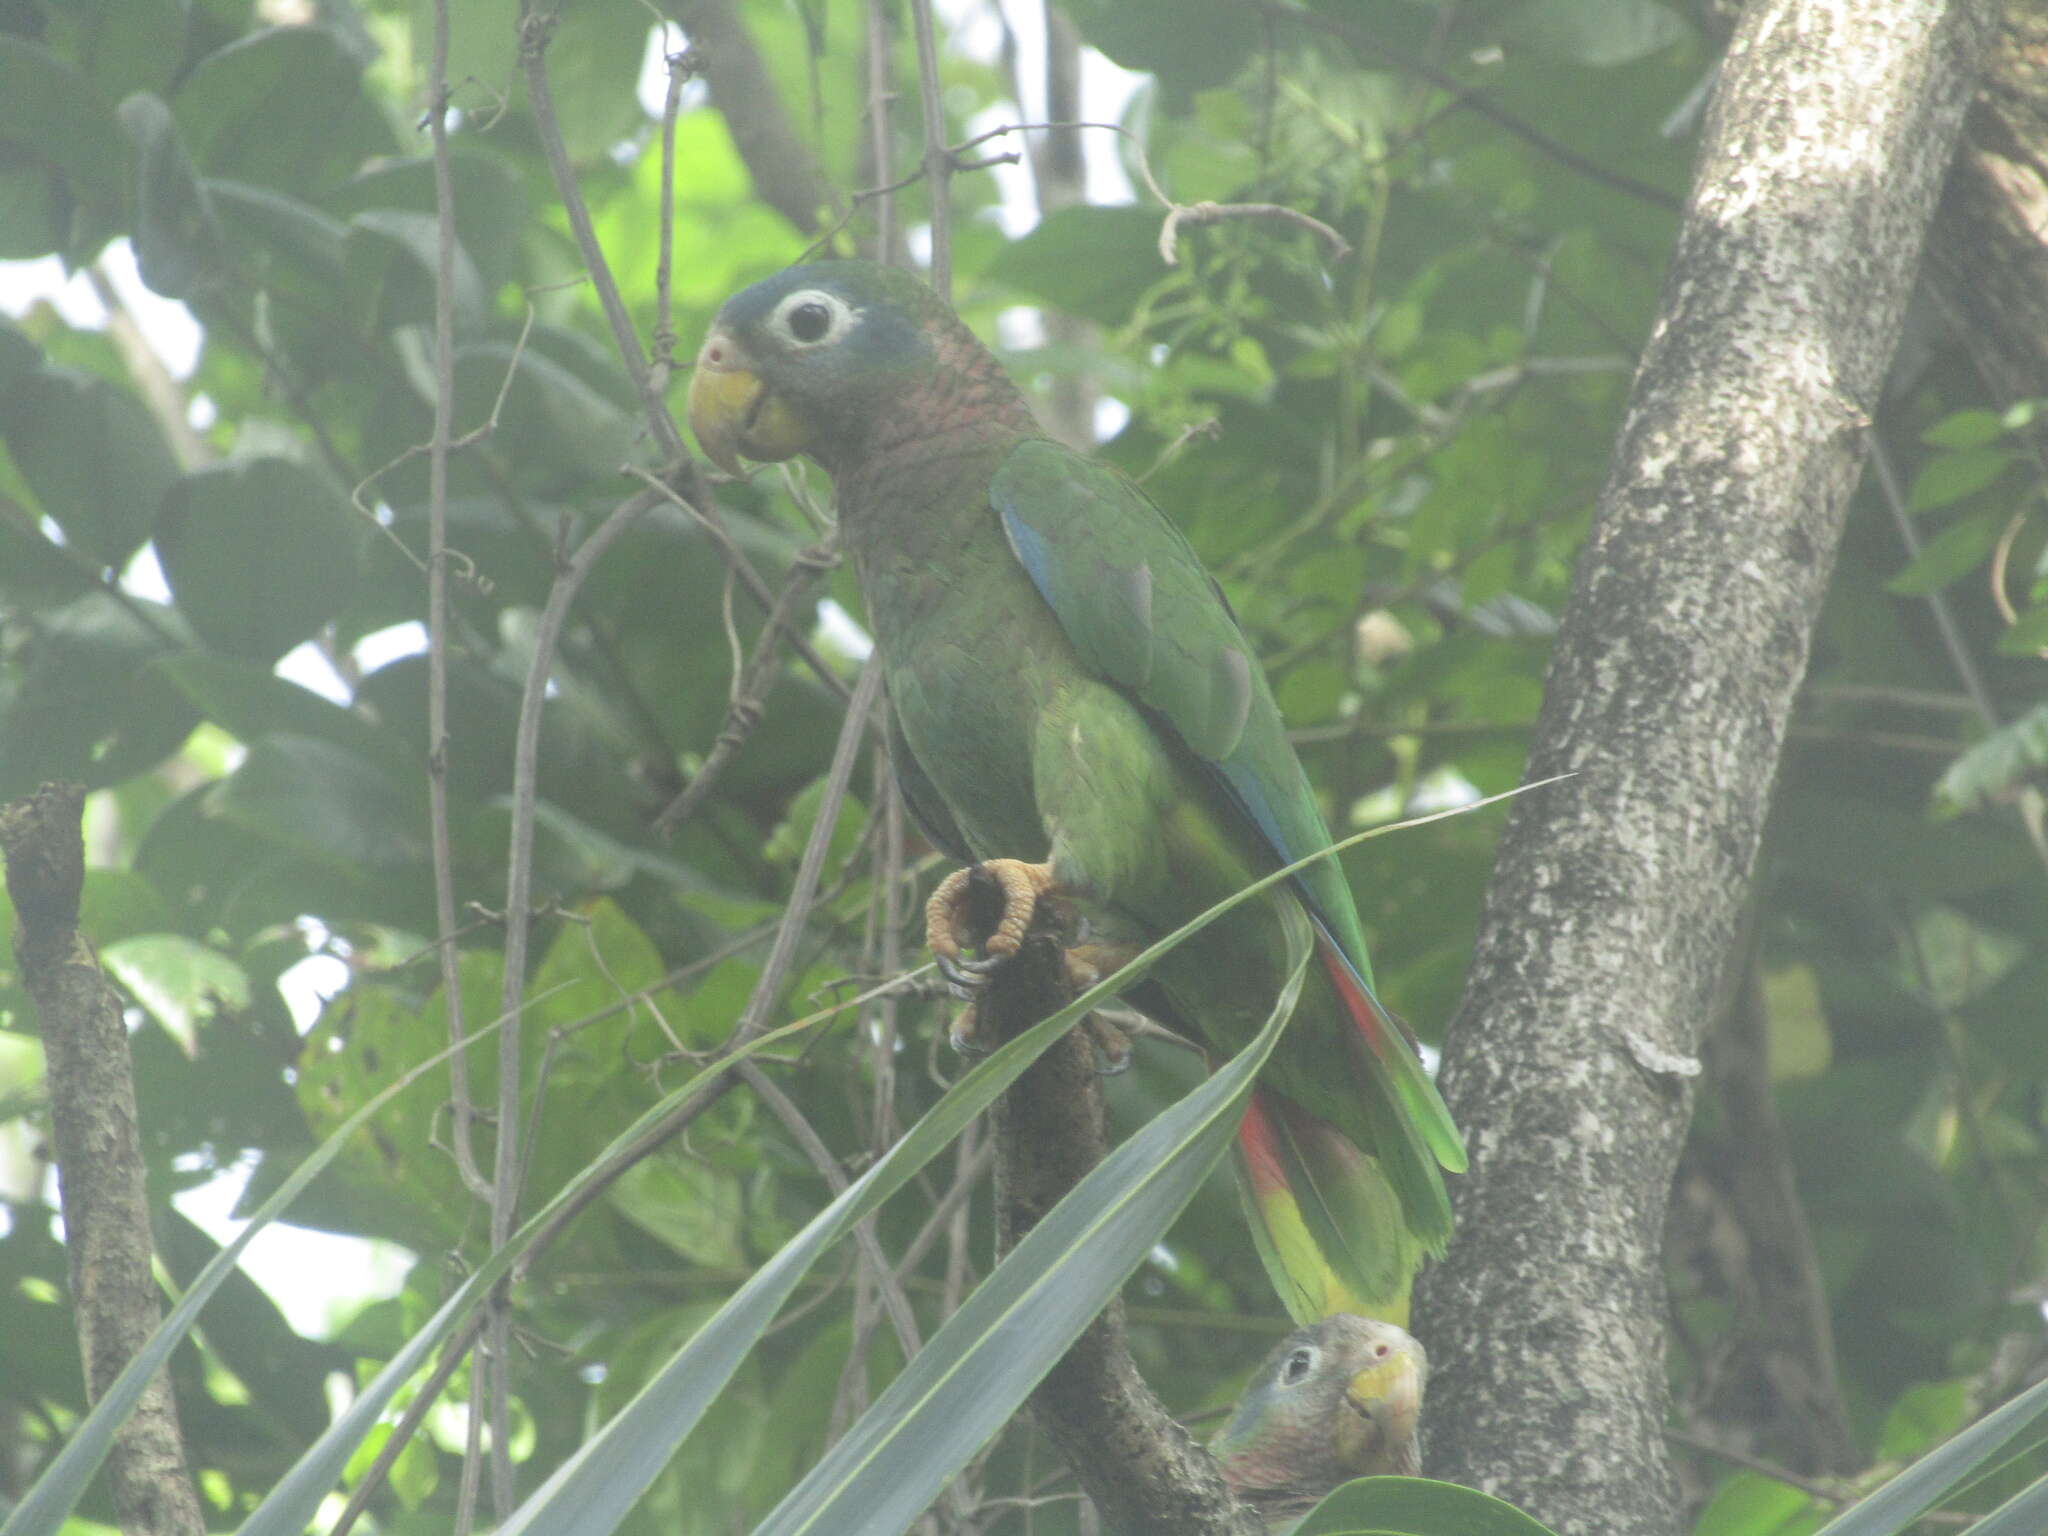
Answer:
x=1389 y=461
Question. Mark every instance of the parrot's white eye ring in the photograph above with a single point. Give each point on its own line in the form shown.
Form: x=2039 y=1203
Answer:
x=1298 y=1365
x=811 y=317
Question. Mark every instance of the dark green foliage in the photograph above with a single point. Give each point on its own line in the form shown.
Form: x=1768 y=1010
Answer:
x=1409 y=444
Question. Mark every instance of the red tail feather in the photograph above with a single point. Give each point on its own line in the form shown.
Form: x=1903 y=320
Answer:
x=1365 y=1012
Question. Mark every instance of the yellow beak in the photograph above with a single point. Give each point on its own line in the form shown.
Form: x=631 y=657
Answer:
x=1387 y=1397
x=733 y=412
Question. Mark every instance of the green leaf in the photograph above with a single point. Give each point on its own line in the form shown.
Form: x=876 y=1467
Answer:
x=1965 y=429
x=259 y=553
x=180 y=981
x=249 y=702
x=1954 y=552
x=63 y=166
x=1414 y=1506
x=1201 y=43
x=1599 y=33
x=92 y=455
x=179 y=244
x=391 y=254
x=1926 y=1414
x=290 y=244
x=1092 y=262
x=1949 y=477
x=2027 y=637
x=75 y=712
x=1749 y=1504
x=490 y=202
x=323 y=801
x=1995 y=764
x=1895 y=1506
x=64 y=1480
x=282 y=108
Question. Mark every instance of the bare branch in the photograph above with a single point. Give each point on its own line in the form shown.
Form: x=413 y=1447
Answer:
x=437 y=603
x=100 y=1169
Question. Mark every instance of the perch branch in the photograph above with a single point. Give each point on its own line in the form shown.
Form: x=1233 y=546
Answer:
x=1144 y=1472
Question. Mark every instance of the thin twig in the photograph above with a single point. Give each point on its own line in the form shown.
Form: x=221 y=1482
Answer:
x=416 y=1411
x=939 y=163
x=437 y=604
x=708 y=519
x=505 y=1171
x=894 y=1302
x=535 y=30
x=881 y=138
x=1213 y=213
x=681 y=66
x=750 y=684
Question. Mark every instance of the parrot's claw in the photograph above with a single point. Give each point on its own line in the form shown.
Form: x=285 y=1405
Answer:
x=1113 y=1049
x=963 y=1037
x=960 y=981
x=948 y=928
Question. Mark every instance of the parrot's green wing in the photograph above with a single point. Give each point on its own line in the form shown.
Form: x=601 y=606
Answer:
x=927 y=806
x=1151 y=620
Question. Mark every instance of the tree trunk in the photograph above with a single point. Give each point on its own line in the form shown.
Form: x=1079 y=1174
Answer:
x=1617 y=892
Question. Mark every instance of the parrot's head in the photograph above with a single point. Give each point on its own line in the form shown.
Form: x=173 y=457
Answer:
x=1334 y=1401
x=817 y=358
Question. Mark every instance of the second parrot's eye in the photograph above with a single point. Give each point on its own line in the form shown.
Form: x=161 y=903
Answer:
x=808 y=322
x=1298 y=1366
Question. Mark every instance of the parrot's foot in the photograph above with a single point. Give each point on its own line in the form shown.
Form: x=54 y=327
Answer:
x=1113 y=1050
x=1085 y=965
x=948 y=926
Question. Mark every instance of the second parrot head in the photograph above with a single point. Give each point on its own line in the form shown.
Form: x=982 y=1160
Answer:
x=805 y=361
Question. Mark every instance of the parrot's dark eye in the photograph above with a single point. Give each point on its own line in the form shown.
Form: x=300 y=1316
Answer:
x=1297 y=1366
x=809 y=322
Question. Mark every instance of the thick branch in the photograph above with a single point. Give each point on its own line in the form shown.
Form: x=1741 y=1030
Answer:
x=100 y=1173
x=1144 y=1472
x=785 y=172
x=1616 y=894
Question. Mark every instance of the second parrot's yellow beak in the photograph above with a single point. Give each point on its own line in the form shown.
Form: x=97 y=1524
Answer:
x=1386 y=1403
x=733 y=412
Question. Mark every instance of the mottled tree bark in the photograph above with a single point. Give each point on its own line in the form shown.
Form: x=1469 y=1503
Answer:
x=1144 y=1472
x=1616 y=893
x=99 y=1154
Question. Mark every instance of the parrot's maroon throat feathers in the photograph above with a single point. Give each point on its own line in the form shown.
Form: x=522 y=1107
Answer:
x=963 y=398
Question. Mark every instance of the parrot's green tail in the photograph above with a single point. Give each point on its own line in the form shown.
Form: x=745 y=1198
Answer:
x=1327 y=1223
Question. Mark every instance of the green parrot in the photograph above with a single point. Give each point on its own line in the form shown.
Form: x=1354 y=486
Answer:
x=1336 y=1401
x=1073 y=706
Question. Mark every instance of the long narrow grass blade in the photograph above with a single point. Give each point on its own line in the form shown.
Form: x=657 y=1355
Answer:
x=964 y=1385
x=1921 y=1486
x=295 y=1498
x=63 y=1483
x=2024 y=1514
